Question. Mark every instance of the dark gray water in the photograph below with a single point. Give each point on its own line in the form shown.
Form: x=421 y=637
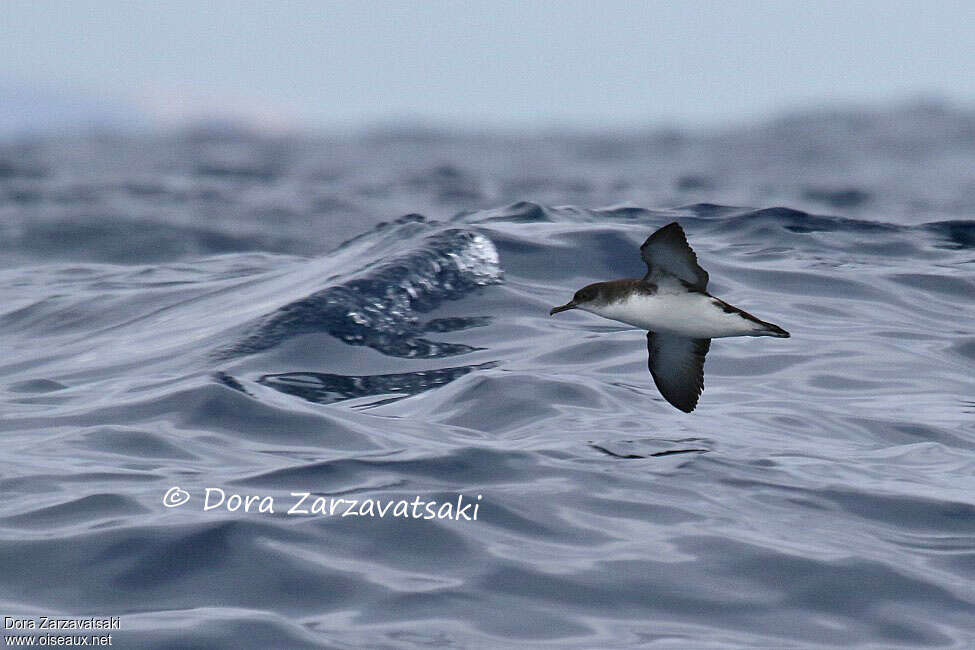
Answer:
x=217 y=309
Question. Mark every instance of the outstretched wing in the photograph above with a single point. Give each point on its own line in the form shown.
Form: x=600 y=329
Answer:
x=677 y=366
x=667 y=252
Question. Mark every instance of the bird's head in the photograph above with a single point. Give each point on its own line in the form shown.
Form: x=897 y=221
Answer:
x=587 y=296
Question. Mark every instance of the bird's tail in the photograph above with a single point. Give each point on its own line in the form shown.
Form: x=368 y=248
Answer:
x=771 y=329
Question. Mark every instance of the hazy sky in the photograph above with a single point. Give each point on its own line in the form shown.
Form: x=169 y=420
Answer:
x=498 y=62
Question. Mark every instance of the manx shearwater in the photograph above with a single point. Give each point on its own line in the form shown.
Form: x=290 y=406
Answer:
x=672 y=302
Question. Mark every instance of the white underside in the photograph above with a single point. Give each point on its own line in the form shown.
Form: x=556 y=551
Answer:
x=685 y=314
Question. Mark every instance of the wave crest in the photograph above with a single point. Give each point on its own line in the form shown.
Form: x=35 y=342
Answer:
x=379 y=308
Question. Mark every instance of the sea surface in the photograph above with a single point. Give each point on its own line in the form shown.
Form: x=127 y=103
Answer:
x=365 y=317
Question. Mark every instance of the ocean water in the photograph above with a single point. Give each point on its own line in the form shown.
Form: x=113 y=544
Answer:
x=365 y=318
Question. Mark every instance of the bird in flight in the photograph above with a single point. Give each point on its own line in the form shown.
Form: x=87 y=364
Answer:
x=671 y=302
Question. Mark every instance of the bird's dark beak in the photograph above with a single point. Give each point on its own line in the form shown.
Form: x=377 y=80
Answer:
x=569 y=305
